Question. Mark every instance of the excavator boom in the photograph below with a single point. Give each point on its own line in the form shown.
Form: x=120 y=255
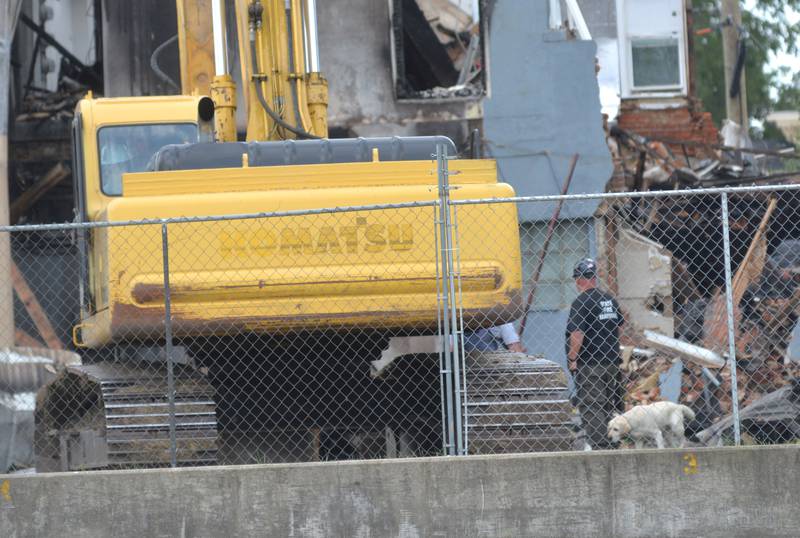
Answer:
x=285 y=95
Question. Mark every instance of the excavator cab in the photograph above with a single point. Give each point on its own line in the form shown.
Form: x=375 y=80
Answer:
x=113 y=137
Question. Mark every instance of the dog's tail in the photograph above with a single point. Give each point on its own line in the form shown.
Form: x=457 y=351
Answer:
x=688 y=414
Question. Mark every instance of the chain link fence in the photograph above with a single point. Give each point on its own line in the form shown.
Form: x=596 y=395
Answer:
x=686 y=297
x=401 y=331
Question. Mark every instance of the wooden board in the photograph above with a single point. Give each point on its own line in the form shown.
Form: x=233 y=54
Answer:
x=34 y=309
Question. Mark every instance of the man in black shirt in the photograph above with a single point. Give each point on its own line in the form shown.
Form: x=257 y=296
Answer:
x=593 y=354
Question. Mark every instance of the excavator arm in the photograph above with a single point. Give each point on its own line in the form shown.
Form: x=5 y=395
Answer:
x=196 y=46
x=286 y=96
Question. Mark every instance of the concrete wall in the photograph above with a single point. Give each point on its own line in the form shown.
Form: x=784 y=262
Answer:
x=710 y=492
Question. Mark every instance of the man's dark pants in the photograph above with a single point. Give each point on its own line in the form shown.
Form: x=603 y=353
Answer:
x=600 y=395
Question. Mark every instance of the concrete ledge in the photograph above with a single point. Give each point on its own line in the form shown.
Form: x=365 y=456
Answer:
x=726 y=492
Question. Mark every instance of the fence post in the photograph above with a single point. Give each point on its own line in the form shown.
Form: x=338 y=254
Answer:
x=447 y=438
x=168 y=346
x=450 y=338
x=726 y=245
x=459 y=332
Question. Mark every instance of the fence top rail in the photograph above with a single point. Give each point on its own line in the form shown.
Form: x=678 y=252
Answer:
x=634 y=194
x=400 y=205
x=217 y=218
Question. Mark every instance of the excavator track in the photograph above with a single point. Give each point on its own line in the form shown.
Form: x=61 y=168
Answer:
x=113 y=416
x=516 y=403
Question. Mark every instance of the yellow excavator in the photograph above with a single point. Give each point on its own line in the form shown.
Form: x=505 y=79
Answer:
x=277 y=319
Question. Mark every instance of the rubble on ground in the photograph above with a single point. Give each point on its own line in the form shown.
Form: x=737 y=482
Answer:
x=766 y=283
x=23 y=371
x=646 y=164
x=41 y=105
x=773 y=418
x=767 y=315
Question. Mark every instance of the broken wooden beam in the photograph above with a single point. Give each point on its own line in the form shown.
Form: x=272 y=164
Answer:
x=27 y=199
x=23 y=339
x=34 y=309
x=716 y=327
x=740 y=281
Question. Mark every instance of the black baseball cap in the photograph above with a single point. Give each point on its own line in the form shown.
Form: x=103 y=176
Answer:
x=585 y=268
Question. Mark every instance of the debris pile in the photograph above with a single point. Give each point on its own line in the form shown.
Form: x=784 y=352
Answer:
x=767 y=310
x=767 y=316
x=642 y=378
x=645 y=164
x=23 y=371
x=765 y=257
x=774 y=418
x=40 y=105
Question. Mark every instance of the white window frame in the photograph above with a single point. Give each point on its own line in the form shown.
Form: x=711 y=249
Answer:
x=575 y=17
x=625 y=48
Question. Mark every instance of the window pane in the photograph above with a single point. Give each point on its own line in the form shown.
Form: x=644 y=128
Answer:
x=128 y=148
x=655 y=62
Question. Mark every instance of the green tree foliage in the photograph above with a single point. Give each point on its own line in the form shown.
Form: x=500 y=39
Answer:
x=767 y=30
x=789 y=95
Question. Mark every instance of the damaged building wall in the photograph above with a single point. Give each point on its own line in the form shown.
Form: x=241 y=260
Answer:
x=55 y=52
x=131 y=33
x=675 y=114
x=686 y=123
x=544 y=107
x=355 y=55
x=645 y=268
x=72 y=25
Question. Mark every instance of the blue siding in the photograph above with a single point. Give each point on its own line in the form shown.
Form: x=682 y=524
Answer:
x=544 y=107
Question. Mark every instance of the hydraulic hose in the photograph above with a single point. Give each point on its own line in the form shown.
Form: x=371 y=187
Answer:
x=154 y=62
x=301 y=133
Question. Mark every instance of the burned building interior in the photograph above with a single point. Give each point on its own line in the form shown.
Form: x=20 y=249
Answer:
x=438 y=51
